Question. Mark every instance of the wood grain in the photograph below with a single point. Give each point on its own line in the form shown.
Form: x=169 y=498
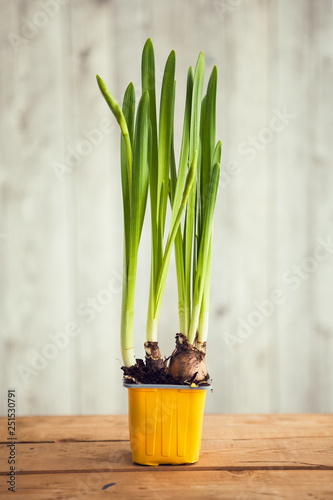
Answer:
x=322 y=351
x=61 y=242
x=217 y=454
x=229 y=442
x=294 y=240
x=242 y=457
x=115 y=427
x=163 y=484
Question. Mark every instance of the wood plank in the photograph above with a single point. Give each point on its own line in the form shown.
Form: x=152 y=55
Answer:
x=53 y=231
x=108 y=428
x=321 y=153
x=97 y=209
x=273 y=278
x=35 y=283
x=159 y=483
x=217 y=454
x=218 y=49
x=294 y=243
x=247 y=228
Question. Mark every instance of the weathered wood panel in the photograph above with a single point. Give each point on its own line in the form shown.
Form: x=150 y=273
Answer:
x=293 y=203
x=115 y=427
x=61 y=222
x=215 y=454
x=36 y=288
x=321 y=185
x=260 y=455
x=247 y=485
x=238 y=442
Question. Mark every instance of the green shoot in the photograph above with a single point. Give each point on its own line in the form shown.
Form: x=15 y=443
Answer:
x=135 y=178
x=193 y=247
x=160 y=185
x=148 y=161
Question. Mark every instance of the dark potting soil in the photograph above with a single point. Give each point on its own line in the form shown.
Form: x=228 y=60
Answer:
x=140 y=374
x=156 y=371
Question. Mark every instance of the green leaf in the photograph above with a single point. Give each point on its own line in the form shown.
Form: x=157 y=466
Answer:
x=117 y=111
x=194 y=146
x=204 y=310
x=172 y=235
x=173 y=177
x=196 y=105
x=126 y=174
x=204 y=251
x=165 y=134
x=160 y=228
x=176 y=193
x=208 y=137
x=200 y=172
x=178 y=187
x=148 y=84
x=129 y=110
x=140 y=175
x=217 y=153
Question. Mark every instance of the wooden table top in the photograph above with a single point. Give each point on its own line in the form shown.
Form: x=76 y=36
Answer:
x=242 y=457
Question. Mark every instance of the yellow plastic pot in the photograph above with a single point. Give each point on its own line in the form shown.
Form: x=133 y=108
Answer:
x=165 y=423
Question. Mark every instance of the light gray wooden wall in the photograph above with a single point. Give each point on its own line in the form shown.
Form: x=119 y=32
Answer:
x=61 y=233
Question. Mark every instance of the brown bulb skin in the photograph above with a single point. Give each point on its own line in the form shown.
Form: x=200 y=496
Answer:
x=187 y=363
x=154 y=359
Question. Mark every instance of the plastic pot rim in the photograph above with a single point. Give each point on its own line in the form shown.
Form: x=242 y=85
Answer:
x=167 y=386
